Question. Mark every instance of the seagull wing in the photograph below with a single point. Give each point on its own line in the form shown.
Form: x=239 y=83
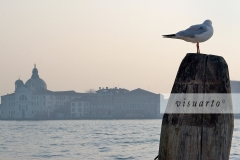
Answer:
x=192 y=31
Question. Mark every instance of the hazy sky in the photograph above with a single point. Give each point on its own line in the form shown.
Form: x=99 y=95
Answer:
x=82 y=44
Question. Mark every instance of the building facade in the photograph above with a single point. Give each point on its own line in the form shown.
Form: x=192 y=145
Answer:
x=33 y=100
x=80 y=108
x=118 y=103
x=137 y=103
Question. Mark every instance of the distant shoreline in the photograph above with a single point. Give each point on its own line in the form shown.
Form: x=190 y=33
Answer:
x=236 y=116
x=37 y=119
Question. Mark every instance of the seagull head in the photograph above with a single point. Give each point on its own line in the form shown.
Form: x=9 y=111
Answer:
x=208 y=22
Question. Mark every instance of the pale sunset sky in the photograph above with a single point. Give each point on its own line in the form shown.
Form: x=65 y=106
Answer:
x=82 y=44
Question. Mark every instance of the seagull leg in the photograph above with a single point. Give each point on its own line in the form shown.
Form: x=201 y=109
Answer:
x=198 y=50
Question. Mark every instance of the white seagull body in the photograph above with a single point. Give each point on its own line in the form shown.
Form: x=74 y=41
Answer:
x=195 y=34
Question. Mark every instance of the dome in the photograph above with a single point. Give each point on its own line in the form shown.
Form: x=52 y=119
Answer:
x=18 y=84
x=35 y=83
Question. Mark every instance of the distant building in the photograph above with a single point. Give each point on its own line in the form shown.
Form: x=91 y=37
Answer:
x=235 y=89
x=121 y=103
x=137 y=103
x=103 y=106
x=235 y=86
x=0 y=111
x=80 y=108
x=33 y=100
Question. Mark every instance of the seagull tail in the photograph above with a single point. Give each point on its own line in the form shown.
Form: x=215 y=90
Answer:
x=169 y=36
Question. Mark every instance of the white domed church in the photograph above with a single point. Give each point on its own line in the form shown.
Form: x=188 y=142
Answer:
x=35 y=83
x=32 y=99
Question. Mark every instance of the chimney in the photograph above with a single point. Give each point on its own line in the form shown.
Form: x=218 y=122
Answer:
x=106 y=87
x=99 y=88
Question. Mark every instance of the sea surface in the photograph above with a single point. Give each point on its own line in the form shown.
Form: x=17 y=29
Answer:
x=87 y=139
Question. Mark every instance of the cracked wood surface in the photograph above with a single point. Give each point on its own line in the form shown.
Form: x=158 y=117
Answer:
x=198 y=136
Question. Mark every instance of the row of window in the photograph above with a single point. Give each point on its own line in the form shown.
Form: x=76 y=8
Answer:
x=74 y=115
x=4 y=99
x=81 y=109
x=10 y=104
x=10 y=112
x=36 y=111
x=23 y=97
x=61 y=103
x=80 y=104
x=135 y=105
x=133 y=98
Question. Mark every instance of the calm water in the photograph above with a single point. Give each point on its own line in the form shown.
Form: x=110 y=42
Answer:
x=86 y=139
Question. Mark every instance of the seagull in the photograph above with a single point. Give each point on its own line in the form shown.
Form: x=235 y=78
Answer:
x=195 y=34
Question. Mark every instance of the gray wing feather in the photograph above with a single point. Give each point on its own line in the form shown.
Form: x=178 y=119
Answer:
x=192 y=31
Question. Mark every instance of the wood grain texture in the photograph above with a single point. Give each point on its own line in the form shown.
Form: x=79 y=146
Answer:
x=198 y=136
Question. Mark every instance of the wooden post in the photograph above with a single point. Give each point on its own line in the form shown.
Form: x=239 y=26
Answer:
x=198 y=136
